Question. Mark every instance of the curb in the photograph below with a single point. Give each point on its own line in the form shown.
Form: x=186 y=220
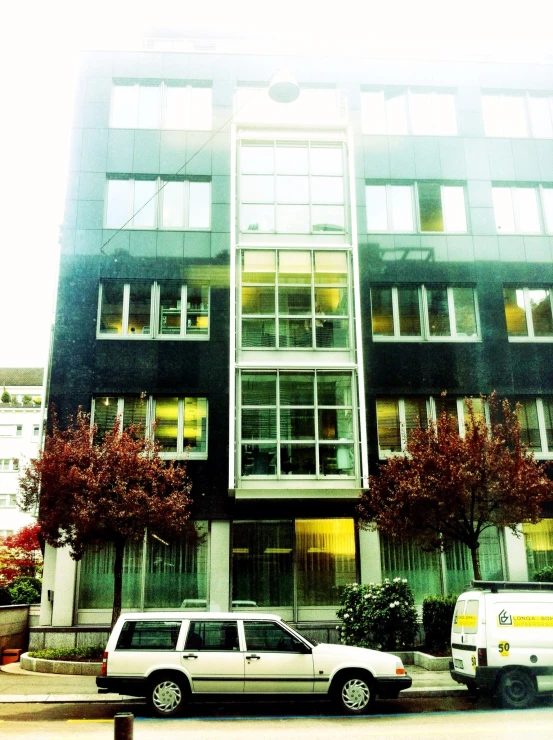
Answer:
x=59 y=667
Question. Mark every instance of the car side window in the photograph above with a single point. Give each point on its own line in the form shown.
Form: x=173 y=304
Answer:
x=270 y=637
x=138 y=635
x=212 y=635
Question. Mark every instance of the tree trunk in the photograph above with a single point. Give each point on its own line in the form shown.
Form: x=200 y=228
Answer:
x=475 y=562
x=117 y=580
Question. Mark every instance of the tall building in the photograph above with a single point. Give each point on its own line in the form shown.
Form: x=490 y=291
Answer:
x=21 y=416
x=283 y=288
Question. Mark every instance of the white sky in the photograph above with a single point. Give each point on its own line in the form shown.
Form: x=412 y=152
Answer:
x=40 y=46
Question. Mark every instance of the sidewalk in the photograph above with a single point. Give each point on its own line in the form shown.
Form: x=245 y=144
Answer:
x=20 y=686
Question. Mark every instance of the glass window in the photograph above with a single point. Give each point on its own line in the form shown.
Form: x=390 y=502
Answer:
x=118 y=204
x=173 y=205
x=528 y=312
x=540 y=108
x=538 y=539
x=149 y=106
x=515 y=312
x=176 y=107
x=302 y=306
x=453 y=202
x=124 y=106
x=200 y=108
x=313 y=419
x=105 y=414
x=269 y=637
x=547 y=202
x=291 y=189
x=149 y=635
x=140 y=304
x=438 y=312
x=134 y=412
x=166 y=417
x=377 y=213
x=325 y=554
x=387 y=419
x=430 y=207
x=408 y=302
x=458 y=563
x=465 y=311
x=402 y=558
x=111 y=307
x=262 y=563
x=382 y=312
x=516 y=210
x=195 y=424
x=212 y=635
x=528 y=417
x=504 y=115
x=540 y=307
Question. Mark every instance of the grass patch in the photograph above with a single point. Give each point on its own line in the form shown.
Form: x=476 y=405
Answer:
x=85 y=654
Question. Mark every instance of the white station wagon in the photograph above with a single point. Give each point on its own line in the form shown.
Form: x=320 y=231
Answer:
x=170 y=657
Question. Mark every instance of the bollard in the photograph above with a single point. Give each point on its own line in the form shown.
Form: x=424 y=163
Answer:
x=123 y=726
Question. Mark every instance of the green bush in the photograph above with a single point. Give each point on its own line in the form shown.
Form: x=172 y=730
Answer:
x=437 y=615
x=25 y=590
x=86 y=653
x=378 y=615
x=5 y=596
x=544 y=575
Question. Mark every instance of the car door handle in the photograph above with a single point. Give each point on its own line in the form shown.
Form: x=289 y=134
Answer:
x=190 y=655
x=253 y=657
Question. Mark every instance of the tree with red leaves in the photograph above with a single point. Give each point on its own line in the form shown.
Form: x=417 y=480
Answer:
x=448 y=488
x=20 y=554
x=93 y=491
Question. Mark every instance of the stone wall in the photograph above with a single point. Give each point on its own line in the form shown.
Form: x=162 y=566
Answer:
x=14 y=627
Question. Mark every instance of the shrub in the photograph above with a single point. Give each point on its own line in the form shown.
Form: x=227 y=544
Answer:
x=85 y=653
x=544 y=575
x=5 y=596
x=437 y=615
x=5 y=397
x=378 y=615
x=25 y=590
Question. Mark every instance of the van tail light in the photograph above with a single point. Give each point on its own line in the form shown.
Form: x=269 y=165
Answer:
x=482 y=657
x=400 y=670
x=104 y=671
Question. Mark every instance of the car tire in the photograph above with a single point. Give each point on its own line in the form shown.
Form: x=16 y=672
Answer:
x=167 y=695
x=517 y=689
x=354 y=693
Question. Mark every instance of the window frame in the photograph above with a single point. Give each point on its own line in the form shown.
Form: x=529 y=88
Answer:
x=424 y=320
x=162 y=114
x=546 y=451
x=160 y=183
x=408 y=106
x=279 y=441
x=182 y=452
x=310 y=202
x=187 y=314
x=312 y=316
x=526 y=97
x=531 y=336
x=433 y=411
x=415 y=206
x=517 y=209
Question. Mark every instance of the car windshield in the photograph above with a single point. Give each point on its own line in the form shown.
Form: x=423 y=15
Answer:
x=307 y=639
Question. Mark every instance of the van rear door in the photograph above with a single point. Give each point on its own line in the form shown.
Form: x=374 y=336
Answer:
x=464 y=631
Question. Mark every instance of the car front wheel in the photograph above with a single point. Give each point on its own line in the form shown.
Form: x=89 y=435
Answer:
x=355 y=694
x=517 y=689
x=166 y=697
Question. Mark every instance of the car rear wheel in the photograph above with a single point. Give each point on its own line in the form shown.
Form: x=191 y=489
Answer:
x=354 y=694
x=166 y=697
x=517 y=689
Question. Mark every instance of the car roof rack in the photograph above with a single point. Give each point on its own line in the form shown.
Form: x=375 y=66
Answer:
x=496 y=586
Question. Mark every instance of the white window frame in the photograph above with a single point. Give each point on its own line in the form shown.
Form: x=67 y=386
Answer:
x=425 y=335
x=516 y=208
x=318 y=443
x=531 y=337
x=526 y=97
x=309 y=144
x=312 y=316
x=415 y=206
x=185 y=332
x=546 y=452
x=11 y=430
x=159 y=187
x=189 y=105
x=8 y=500
x=182 y=453
x=433 y=412
x=407 y=94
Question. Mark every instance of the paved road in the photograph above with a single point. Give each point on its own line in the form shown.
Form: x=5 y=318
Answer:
x=412 y=718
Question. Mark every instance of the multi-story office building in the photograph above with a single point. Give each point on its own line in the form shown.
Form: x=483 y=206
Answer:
x=283 y=287
x=21 y=414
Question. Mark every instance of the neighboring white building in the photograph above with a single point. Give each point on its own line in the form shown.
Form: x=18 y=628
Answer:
x=21 y=418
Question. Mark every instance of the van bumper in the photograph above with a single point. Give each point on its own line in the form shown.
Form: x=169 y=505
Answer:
x=485 y=678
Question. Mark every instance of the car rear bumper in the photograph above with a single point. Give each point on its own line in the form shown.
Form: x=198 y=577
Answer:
x=389 y=687
x=121 y=685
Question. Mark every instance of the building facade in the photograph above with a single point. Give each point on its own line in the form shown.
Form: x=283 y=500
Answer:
x=21 y=417
x=283 y=288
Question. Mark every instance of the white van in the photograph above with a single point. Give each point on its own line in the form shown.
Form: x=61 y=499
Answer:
x=502 y=640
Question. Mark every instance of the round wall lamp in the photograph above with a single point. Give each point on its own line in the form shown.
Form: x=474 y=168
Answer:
x=283 y=88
